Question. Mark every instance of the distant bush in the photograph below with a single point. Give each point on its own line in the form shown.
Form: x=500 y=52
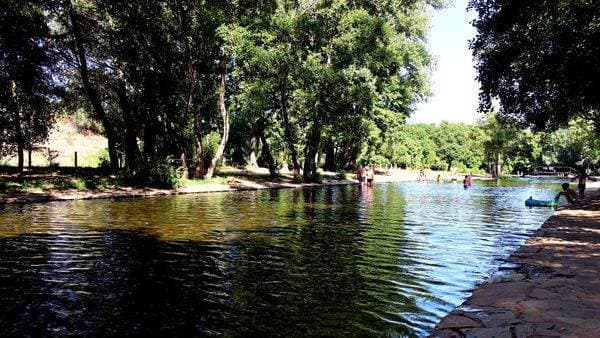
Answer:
x=65 y=184
x=84 y=123
x=316 y=178
x=159 y=175
x=93 y=160
x=342 y=175
x=379 y=161
x=210 y=143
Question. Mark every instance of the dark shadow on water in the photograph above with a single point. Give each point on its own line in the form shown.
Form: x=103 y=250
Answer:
x=335 y=261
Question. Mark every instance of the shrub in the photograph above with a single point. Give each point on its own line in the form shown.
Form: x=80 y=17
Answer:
x=316 y=178
x=159 y=175
x=65 y=184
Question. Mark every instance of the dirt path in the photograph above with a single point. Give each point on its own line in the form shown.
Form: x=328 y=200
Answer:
x=237 y=183
x=552 y=288
x=73 y=194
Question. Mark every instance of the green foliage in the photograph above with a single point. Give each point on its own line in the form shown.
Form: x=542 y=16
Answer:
x=539 y=58
x=578 y=142
x=93 y=160
x=26 y=84
x=69 y=183
x=84 y=124
x=159 y=175
x=209 y=145
x=296 y=82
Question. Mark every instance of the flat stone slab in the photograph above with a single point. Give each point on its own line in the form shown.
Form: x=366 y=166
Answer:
x=456 y=321
x=552 y=291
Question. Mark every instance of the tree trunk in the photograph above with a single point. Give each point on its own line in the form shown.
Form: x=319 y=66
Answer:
x=312 y=144
x=198 y=159
x=225 y=117
x=253 y=150
x=18 y=127
x=131 y=147
x=149 y=139
x=330 y=160
x=268 y=156
x=449 y=165
x=90 y=90
x=184 y=165
x=151 y=127
x=197 y=113
x=286 y=124
x=497 y=166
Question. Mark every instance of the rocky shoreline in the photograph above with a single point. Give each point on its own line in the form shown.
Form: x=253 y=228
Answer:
x=550 y=287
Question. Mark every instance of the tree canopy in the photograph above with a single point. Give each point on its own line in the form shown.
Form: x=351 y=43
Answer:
x=284 y=84
x=199 y=80
x=539 y=59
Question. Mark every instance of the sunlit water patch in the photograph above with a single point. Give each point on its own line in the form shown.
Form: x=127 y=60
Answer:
x=327 y=261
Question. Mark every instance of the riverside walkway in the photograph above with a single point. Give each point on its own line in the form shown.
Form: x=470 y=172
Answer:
x=550 y=287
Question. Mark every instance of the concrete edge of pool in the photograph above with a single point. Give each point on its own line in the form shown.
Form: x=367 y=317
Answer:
x=550 y=289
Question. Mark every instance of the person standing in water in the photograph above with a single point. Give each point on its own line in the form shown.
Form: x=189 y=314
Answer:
x=370 y=176
x=361 y=174
x=422 y=177
x=582 y=178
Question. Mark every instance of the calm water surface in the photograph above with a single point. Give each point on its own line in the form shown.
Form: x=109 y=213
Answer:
x=388 y=261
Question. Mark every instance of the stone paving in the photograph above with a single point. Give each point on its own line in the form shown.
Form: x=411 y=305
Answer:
x=550 y=287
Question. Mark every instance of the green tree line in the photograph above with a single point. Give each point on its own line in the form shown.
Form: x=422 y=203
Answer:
x=279 y=83
x=196 y=80
x=491 y=145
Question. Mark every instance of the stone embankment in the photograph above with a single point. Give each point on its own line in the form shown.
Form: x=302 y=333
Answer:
x=550 y=287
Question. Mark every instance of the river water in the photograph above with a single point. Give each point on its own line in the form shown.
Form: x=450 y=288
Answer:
x=388 y=261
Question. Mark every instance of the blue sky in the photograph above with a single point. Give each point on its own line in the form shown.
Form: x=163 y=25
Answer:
x=453 y=81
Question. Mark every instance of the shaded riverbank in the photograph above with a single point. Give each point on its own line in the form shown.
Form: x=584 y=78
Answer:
x=548 y=288
x=249 y=181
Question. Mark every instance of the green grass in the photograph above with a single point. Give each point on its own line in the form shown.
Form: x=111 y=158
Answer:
x=32 y=185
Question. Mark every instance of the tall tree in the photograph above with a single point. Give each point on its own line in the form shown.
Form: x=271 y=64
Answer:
x=26 y=86
x=539 y=59
x=79 y=32
x=500 y=138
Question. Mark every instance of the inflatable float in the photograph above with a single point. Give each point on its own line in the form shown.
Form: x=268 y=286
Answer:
x=540 y=203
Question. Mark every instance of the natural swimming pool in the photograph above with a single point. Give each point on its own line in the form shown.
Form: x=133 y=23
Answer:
x=335 y=260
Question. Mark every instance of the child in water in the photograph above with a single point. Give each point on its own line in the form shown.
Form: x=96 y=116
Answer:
x=581 y=178
x=569 y=194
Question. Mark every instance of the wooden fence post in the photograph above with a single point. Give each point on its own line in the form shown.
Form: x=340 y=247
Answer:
x=75 y=159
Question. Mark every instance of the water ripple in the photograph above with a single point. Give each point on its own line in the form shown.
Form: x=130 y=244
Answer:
x=389 y=261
